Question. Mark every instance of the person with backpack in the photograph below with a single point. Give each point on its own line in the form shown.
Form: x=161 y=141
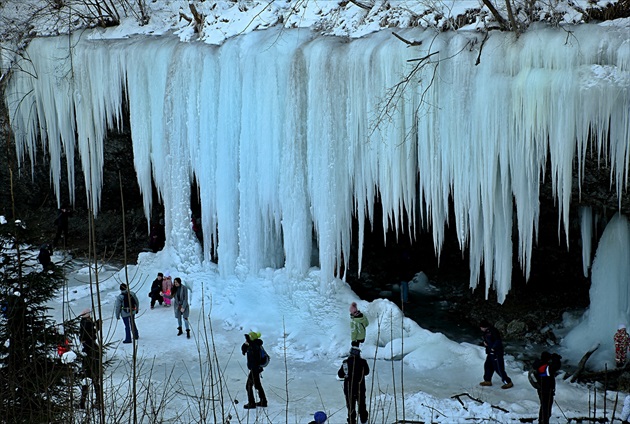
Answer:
x=494 y=356
x=126 y=306
x=179 y=295
x=253 y=349
x=353 y=370
x=358 y=325
x=545 y=370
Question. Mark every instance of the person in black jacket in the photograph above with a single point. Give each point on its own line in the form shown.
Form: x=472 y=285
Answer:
x=62 y=225
x=353 y=370
x=88 y=329
x=545 y=370
x=251 y=348
x=494 y=356
x=156 y=289
x=44 y=256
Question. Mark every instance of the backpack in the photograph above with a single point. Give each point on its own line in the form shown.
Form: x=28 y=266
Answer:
x=534 y=379
x=264 y=358
x=134 y=305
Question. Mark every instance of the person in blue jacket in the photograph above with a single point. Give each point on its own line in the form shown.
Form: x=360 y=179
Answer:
x=494 y=356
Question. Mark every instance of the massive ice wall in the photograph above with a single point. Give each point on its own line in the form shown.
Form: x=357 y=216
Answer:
x=287 y=135
x=609 y=294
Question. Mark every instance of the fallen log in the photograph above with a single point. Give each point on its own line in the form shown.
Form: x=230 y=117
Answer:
x=582 y=364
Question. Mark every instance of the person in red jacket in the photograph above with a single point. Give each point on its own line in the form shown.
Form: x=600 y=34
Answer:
x=622 y=342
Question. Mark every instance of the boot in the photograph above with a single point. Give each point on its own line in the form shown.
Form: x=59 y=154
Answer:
x=187 y=334
x=249 y=406
x=179 y=331
x=262 y=403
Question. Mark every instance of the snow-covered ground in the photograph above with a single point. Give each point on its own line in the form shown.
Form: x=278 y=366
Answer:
x=305 y=329
x=307 y=335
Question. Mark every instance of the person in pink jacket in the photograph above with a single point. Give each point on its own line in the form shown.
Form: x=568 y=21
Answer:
x=167 y=286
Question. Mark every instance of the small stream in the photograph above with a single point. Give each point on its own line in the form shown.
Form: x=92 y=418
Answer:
x=431 y=310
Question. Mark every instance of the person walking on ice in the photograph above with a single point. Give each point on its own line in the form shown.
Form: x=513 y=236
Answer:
x=252 y=348
x=494 y=356
x=179 y=295
x=358 y=325
x=126 y=306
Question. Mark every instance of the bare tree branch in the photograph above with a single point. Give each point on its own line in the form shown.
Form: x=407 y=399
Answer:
x=500 y=19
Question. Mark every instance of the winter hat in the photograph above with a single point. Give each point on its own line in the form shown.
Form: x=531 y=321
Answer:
x=320 y=417
x=254 y=335
x=160 y=274
x=353 y=308
x=123 y=287
x=621 y=327
x=86 y=312
x=355 y=351
x=545 y=357
x=484 y=324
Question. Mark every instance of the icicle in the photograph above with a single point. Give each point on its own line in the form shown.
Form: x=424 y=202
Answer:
x=586 y=225
x=284 y=138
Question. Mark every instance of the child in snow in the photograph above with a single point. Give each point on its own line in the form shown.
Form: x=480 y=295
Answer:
x=622 y=342
x=358 y=324
x=167 y=287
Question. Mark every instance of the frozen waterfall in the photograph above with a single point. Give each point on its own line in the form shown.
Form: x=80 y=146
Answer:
x=287 y=134
x=609 y=294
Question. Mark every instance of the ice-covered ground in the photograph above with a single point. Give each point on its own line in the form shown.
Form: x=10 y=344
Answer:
x=307 y=336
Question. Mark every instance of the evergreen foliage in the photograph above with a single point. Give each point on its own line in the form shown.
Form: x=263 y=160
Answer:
x=35 y=385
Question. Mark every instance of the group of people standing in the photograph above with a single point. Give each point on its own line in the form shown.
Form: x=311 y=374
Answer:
x=164 y=292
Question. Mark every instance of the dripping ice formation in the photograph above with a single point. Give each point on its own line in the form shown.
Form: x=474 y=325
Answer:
x=279 y=130
x=609 y=294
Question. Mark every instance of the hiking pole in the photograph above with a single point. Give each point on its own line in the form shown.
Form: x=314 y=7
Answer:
x=565 y=417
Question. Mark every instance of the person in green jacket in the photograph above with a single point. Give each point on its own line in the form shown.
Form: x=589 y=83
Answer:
x=358 y=324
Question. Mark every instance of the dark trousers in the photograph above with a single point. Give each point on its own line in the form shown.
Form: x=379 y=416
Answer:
x=494 y=363
x=130 y=323
x=91 y=370
x=155 y=297
x=546 y=403
x=351 y=403
x=253 y=381
x=61 y=229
